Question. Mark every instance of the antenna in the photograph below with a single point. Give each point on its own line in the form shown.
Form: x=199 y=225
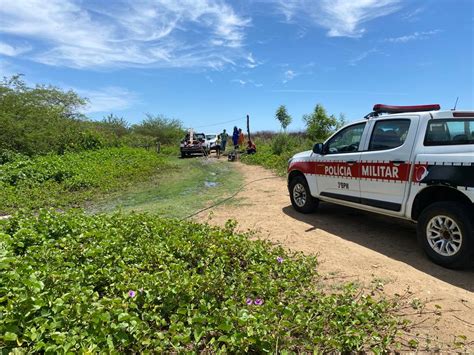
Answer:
x=455 y=104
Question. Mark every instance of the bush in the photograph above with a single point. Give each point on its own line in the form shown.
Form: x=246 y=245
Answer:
x=280 y=144
x=9 y=156
x=274 y=152
x=69 y=179
x=77 y=283
x=44 y=119
x=164 y=130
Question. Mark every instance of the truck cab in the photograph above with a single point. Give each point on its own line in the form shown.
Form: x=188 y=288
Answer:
x=411 y=162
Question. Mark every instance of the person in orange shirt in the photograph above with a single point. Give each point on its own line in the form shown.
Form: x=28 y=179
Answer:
x=241 y=138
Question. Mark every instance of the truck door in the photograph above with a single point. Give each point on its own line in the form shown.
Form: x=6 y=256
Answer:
x=337 y=169
x=385 y=163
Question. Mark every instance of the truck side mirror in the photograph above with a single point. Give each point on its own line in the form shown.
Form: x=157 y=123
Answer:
x=318 y=148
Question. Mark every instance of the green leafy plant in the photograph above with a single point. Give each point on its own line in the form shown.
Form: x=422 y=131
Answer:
x=320 y=125
x=70 y=179
x=273 y=152
x=77 y=283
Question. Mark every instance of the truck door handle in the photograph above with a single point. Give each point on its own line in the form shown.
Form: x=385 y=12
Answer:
x=397 y=162
x=351 y=161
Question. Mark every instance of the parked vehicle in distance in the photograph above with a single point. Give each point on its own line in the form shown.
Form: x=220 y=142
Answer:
x=193 y=143
x=411 y=162
x=211 y=140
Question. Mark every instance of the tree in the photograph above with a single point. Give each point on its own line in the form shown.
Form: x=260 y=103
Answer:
x=165 y=130
x=37 y=120
x=319 y=125
x=116 y=125
x=283 y=117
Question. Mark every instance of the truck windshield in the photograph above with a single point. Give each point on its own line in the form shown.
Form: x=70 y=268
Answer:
x=450 y=132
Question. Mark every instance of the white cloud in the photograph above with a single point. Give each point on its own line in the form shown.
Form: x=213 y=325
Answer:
x=12 y=51
x=289 y=75
x=342 y=18
x=252 y=62
x=246 y=82
x=354 y=61
x=413 y=15
x=109 y=99
x=161 y=33
x=413 y=36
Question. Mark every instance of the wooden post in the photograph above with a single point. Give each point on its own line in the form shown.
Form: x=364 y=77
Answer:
x=248 y=127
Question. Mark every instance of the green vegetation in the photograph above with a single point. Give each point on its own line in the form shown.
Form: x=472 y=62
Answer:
x=137 y=283
x=41 y=119
x=77 y=282
x=283 y=117
x=45 y=119
x=68 y=180
x=274 y=150
x=319 y=125
x=190 y=185
x=166 y=131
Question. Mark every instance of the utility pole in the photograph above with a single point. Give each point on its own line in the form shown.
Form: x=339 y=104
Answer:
x=248 y=127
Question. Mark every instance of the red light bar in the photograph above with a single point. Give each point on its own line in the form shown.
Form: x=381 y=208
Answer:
x=379 y=108
x=463 y=114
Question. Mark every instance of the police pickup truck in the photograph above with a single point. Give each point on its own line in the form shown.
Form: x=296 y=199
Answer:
x=411 y=162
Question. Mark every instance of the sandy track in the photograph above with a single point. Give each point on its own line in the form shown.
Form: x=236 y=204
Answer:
x=358 y=246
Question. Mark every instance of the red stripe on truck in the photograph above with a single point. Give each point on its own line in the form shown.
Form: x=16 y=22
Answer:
x=306 y=167
x=365 y=170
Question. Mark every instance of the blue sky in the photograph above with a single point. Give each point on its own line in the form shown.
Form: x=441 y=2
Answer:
x=212 y=61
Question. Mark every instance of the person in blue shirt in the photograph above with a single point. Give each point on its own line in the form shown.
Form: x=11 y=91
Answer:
x=235 y=138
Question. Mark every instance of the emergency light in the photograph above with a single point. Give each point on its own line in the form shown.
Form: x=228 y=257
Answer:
x=380 y=108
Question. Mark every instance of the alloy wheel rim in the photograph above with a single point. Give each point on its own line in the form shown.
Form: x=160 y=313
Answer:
x=299 y=195
x=444 y=235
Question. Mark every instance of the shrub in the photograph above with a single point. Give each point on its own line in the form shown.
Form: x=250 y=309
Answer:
x=77 y=283
x=280 y=144
x=9 y=156
x=44 y=119
x=319 y=125
x=69 y=179
x=268 y=149
x=164 y=130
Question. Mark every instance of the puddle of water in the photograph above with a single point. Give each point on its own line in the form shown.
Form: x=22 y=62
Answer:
x=210 y=184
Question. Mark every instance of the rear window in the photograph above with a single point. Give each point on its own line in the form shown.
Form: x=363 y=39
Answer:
x=389 y=134
x=450 y=132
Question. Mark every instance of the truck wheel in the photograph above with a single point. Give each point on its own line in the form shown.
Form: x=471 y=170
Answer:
x=300 y=196
x=183 y=155
x=446 y=232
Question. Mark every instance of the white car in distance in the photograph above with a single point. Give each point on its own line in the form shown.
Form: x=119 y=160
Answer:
x=211 y=140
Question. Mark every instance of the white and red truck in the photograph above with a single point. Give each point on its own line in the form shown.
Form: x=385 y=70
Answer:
x=411 y=162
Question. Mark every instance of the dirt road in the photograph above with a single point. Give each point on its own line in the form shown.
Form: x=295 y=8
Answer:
x=358 y=246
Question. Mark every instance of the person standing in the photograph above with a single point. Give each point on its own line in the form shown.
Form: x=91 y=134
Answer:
x=223 y=140
x=235 y=138
x=241 y=138
x=218 y=146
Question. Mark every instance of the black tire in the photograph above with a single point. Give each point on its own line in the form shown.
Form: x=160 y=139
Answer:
x=300 y=195
x=447 y=244
x=183 y=155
